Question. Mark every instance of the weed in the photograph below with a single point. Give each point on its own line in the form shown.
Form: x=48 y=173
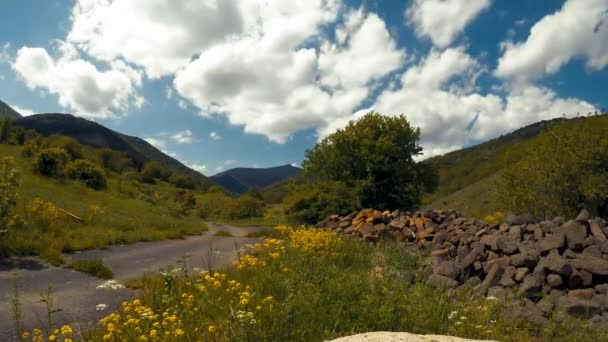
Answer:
x=94 y=267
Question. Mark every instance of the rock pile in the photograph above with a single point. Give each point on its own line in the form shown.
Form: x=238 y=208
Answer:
x=554 y=266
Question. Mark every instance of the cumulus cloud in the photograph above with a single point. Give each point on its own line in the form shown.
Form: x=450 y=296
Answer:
x=156 y=142
x=23 y=111
x=79 y=84
x=267 y=81
x=441 y=20
x=439 y=96
x=160 y=35
x=183 y=137
x=215 y=136
x=578 y=30
x=202 y=168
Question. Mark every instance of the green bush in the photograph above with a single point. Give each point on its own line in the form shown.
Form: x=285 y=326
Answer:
x=153 y=171
x=88 y=173
x=183 y=182
x=310 y=203
x=51 y=162
x=211 y=205
x=9 y=185
x=243 y=207
x=94 y=268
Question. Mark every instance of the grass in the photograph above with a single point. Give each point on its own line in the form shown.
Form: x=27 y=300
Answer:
x=314 y=287
x=262 y=233
x=126 y=212
x=223 y=233
x=94 y=268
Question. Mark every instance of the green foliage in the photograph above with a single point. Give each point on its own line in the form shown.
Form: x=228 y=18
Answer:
x=565 y=169
x=375 y=155
x=255 y=193
x=9 y=186
x=5 y=130
x=88 y=173
x=153 y=171
x=183 y=182
x=116 y=161
x=219 y=206
x=51 y=162
x=310 y=203
x=94 y=268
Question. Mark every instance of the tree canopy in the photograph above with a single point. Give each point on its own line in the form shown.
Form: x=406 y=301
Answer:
x=375 y=155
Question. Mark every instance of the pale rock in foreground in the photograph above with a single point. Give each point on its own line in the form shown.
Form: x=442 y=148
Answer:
x=382 y=336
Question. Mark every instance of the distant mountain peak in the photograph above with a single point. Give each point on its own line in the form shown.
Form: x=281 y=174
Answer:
x=240 y=179
x=7 y=112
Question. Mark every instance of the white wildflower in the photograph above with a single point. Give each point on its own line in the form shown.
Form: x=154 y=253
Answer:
x=110 y=285
x=101 y=307
x=491 y=298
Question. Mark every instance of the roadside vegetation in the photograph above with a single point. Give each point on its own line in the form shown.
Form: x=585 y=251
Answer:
x=312 y=285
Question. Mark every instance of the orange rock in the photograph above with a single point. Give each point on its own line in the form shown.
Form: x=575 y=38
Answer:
x=419 y=223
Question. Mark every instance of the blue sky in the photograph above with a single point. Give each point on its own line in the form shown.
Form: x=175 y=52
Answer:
x=226 y=83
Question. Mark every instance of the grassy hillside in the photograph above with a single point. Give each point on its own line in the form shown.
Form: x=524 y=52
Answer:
x=239 y=180
x=127 y=211
x=467 y=176
x=93 y=134
x=7 y=112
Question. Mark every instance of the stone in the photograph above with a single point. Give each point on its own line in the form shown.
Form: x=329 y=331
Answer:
x=597 y=232
x=548 y=226
x=530 y=287
x=583 y=216
x=519 y=220
x=538 y=233
x=472 y=282
x=503 y=228
x=569 y=254
x=344 y=224
x=591 y=264
x=490 y=240
x=396 y=224
x=507 y=277
x=546 y=304
x=440 y=281
x=599 y=321
x=554 y=281
x=601 y=288
x=526 y=310
x=577 y=307
x=521 y=273
x=524 y=259
x=515 y=232
x=593 y=250
x=440 y=252
x=558 y=220
x=575 y=235
x=381 y=336
x=494 y=275
x=554 y=241
x=448 y=269
x=581 y=293
x=557 y=264
x=507 y=245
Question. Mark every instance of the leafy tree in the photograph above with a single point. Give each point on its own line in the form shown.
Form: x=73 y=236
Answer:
x=153 y=171
x=183 y=182
x=310 y=203
x=5 y=130
x=88 y=173
x=243 y=207
x=51 y=162
x=9 y=184
x=565 y=169
x=255 y=193
x=375 y=155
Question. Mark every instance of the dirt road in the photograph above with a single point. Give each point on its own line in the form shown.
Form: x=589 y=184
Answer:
x=77 y=297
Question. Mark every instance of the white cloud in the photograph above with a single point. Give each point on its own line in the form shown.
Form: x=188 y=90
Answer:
x=441 y=20
x=229 y=162
x=23 y=111
x=160 y=35
x=202 y=168
x=79 y=85
x=183 y=137
x=267 y=81
x=215 y=136
x=219 y=168
x=439 y=96
x=156 y=142
x=578 y=29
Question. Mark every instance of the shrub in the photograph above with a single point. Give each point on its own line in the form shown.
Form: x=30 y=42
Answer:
x=243 y=207
x=153 y=171
x=94 y=268
x=41 y=213
x=312 y=202
x=9 y=185
x=88 y=173
x=211 y=205
x=5 y=129
x=51 y=162
x=183 y=182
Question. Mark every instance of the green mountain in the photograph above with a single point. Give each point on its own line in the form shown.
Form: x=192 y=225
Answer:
x=7 y=112
x=467 y=176
x=93 y=134
x=239 y=180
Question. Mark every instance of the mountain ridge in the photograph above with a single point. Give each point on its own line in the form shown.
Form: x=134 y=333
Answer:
x=7 y=111
x=238 y=180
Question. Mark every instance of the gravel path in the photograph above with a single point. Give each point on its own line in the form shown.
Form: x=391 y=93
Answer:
x=76 y=295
